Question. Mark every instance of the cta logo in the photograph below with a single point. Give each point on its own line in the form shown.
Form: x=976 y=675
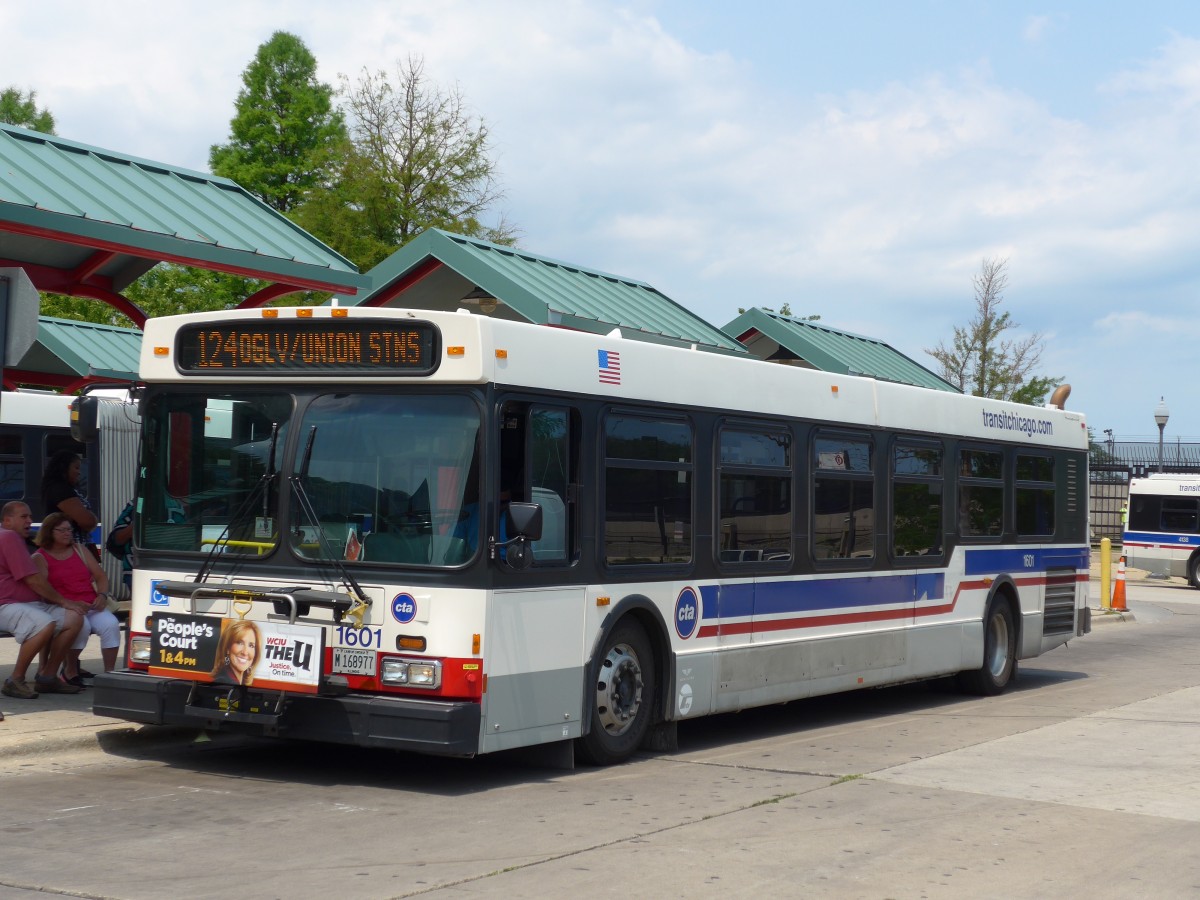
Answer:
x=404 y=608
x=684 y=702
x=687 y=613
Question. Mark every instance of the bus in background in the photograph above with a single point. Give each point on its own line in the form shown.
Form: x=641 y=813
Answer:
x=1162 y=534
x=34 y=425
x=447 y=533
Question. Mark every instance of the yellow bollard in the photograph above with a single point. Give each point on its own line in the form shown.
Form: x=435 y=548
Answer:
x=1105 y=573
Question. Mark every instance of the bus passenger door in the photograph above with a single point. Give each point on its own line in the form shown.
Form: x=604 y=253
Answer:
x=537 y=461
x=535 y=635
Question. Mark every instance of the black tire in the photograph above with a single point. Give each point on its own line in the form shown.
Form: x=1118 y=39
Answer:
x=999 y=652
x=621 y=696
x=1194 y=571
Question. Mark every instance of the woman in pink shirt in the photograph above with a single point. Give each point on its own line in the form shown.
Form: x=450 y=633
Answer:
x=74 y=573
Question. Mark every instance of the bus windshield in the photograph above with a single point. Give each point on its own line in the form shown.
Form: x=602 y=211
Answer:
x=386 y=478
x=372 y=478
x=204 y=458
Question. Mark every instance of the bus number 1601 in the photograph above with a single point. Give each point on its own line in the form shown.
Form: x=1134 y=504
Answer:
x=359 y=637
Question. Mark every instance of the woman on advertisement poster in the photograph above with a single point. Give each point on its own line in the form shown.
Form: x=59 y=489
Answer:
x=238 y=653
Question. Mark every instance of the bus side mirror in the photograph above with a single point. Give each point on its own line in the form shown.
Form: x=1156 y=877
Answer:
x=524 y=522
x=84 y=414
x=524 y=519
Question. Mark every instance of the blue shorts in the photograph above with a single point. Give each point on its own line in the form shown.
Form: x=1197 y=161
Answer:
x=24 y=620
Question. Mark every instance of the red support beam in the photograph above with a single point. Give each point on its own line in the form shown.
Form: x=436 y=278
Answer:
x=300 y=284
x=57 y=281
x=92 y=265
x=113 y=299
x=60 y=281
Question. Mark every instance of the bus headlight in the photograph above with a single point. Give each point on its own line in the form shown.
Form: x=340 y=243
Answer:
x=420 y=673
x=139 y=649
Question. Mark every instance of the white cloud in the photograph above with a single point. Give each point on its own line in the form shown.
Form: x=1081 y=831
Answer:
x=1174 y=71
x=1144 y=324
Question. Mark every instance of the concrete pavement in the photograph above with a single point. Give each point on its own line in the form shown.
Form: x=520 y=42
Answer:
x=61 y=722
x=58 y=722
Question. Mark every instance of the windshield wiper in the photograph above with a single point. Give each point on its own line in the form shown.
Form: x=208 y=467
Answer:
x=352 y=586
x=245 y=506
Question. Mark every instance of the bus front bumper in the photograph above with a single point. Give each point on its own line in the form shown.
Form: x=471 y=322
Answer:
x=439 y=727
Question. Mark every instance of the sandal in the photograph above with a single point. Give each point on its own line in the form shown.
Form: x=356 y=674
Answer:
x=76 y=680
x=84 y=673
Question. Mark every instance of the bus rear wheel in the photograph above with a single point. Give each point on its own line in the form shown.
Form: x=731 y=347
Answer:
x=1194 y=571
x=999 y=652
x=622 y=696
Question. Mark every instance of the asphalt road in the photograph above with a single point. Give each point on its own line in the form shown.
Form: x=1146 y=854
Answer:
x=1079 y=782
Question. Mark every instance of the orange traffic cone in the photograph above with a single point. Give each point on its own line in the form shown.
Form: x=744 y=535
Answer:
x=1118 y=598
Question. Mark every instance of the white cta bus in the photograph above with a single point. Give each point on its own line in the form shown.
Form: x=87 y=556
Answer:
x=1162 y=534
x=452 y=534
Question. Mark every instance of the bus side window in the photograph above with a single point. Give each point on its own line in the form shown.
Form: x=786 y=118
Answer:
x=843 y=485
x=755 y=491
x=1179 y=514
x=917 y=499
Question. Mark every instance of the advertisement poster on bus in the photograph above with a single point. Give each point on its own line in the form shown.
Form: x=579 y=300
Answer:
x=267 y=655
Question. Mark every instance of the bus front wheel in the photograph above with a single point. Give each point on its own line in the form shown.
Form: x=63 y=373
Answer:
x=622 y=696
x=1194 y=571
x=999 y=652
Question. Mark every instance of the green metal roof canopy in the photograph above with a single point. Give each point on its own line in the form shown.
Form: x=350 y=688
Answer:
x=771 y=336
x=65 y=355
x=88 y=222
x=440 y=270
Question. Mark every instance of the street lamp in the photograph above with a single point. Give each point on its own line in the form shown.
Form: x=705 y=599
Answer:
x=1161 y=414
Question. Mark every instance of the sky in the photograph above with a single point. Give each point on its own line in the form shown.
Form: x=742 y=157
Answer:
x=855 y=160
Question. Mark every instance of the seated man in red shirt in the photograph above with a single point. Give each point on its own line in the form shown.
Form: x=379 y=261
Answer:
x=35 y=613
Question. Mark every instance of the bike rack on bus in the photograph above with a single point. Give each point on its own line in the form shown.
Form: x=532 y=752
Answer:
x=293 y=601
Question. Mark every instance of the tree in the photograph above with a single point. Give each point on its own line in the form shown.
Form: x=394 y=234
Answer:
x=981 y=361
x=21 y=110
x=416 y=159
x=167 y=289
x=80 y=309
x=286 y=131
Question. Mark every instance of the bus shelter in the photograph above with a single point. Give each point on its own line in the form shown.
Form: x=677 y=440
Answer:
x=87 y=222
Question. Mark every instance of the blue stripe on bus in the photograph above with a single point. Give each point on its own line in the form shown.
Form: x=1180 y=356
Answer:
x=1162 y=538
x=782 y=596
x=1019 y=561
x=777 y=597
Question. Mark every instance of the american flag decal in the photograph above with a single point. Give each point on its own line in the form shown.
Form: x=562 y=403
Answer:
x=609 y=366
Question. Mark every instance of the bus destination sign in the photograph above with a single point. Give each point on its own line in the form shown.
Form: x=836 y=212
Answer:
x=308 y=347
